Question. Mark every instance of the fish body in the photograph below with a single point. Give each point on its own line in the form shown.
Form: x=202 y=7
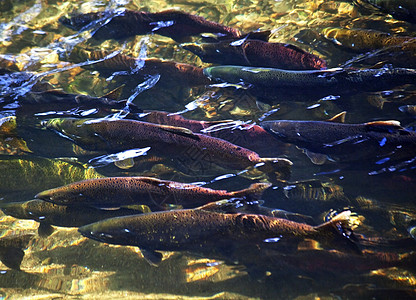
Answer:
x=204 y=231
x=250 y=136
x=362 y=40
x=256 y=53
x=165 y=141
x=170 y=71
x=175 y=24
x=347 y=142
x=331 y=80
x=153 y=192
x=250 y=206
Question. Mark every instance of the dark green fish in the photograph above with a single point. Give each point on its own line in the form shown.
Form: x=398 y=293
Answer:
x=347 y=142
x=165 y=141
x=256 y=53
x=113 y=192
x=362 y=40
x=48 y=214
x=122 y=24
x=377 y=48
x=11 y=249
x=335 y=80
x=208 y=232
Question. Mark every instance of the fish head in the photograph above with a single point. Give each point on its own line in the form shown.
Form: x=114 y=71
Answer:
x=76 y=130
x=194 y=48
x=65 y=195
x=282 y=130
x=65 y=126
x=109 y=231
x=79 y=21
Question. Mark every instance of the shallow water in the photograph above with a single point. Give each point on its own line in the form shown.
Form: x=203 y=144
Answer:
x=381 y=193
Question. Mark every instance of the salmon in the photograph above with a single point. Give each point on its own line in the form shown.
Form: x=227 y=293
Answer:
x=113 y=192
x=204 y=231
x=121 y=24
x=165 y=141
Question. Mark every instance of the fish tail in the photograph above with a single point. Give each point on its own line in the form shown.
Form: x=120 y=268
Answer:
x=339 y=231
x=340 y=220
x=253 y=192
x=408 y=260
x=276 y=168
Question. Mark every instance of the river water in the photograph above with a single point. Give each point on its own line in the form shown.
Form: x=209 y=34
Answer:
x=36 y=51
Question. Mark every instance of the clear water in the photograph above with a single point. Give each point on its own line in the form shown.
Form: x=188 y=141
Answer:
x=67 y=265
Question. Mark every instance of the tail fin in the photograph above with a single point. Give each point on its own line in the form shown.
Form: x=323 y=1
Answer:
x=278 y=168
x=339 y=231
x=340 y=222
x=253 y=192
x=408 y=261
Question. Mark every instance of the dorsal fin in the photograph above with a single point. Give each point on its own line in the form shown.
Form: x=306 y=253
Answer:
x=296 y=48
x=384 y=126
x=338 y=118
x=114 y=94
x=180 y=131
x=151 y=180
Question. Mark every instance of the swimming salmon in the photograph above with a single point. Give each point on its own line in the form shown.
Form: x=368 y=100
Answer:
x=155 y=193
x=362 y=40
x=165 y=141
x=256 y=53
x=347 y=142
x=336 y=80
x=249 y=136
x=209 y=232
x=175 y=24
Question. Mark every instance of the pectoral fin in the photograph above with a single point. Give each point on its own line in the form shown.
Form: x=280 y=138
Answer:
x=45 y=229
x=338 y=118
x=152 y=257
x=125 y=163
x=316 y=158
